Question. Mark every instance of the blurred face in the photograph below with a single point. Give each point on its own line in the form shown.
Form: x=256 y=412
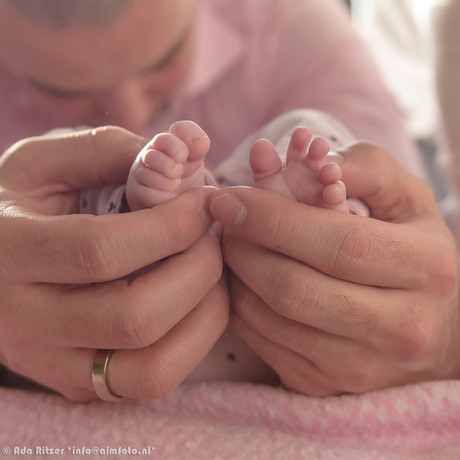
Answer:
x=119 y=74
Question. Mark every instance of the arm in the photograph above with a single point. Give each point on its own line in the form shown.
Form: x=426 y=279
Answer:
x=60 y=274
x=339 y=303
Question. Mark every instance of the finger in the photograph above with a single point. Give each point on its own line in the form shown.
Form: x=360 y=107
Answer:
x=405 y=335
x=169 y=361
x=371 y=317
x=392 y=193
x=161 y=367
x=358 y=249
x=347 y=364
x=296 y=372
x=64 y=370
x=337 y=364
x=123 y=313
x=315 y=344
x=150 y=372
x=302 y=294
x=348 y=371
x=80 y=160
x=86 y=248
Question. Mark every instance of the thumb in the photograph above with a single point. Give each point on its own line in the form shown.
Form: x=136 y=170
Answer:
x=81 y=159
x=391 y=192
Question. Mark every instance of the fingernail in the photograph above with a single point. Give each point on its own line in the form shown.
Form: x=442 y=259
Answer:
x=228 y=209
x=335 y=157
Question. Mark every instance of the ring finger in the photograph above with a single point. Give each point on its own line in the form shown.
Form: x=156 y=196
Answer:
x=150 y=372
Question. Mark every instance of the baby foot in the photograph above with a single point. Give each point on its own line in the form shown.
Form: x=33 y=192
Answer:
x=306 y=178
x=169 y=164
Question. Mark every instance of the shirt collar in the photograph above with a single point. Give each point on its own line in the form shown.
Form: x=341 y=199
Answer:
x=217 y=46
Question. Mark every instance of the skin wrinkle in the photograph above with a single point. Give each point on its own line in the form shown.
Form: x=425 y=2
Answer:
x=57 y=14
x=291 y=301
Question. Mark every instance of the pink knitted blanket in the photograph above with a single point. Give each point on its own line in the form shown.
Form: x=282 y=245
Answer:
x=237 y=421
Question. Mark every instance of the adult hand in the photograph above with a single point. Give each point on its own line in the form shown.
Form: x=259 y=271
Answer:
x=60 y=273
x=339 y=303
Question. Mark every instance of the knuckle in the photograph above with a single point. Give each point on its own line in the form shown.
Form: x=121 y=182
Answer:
x=352 y=245
x=415 y=339
x=362 y=376
x=303 y=379
x=90 y=254
x=87 y=257
x=293 y=292
x=159 y=380
x=413 y=346
x=136 y=327
x=299 y=335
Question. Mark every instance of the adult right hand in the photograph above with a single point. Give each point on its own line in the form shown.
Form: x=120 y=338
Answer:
x=337 y=303
x=61 y=287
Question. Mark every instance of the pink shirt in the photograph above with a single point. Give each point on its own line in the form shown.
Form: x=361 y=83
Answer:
x=255 y=59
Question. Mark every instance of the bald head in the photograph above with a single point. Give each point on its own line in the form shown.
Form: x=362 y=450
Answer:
x=58 y=14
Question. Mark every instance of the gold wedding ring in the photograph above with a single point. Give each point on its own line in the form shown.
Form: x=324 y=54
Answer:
x=99 y=376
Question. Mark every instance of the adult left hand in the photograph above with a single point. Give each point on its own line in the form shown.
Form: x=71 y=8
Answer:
x=337 y=303
x=63 y=276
